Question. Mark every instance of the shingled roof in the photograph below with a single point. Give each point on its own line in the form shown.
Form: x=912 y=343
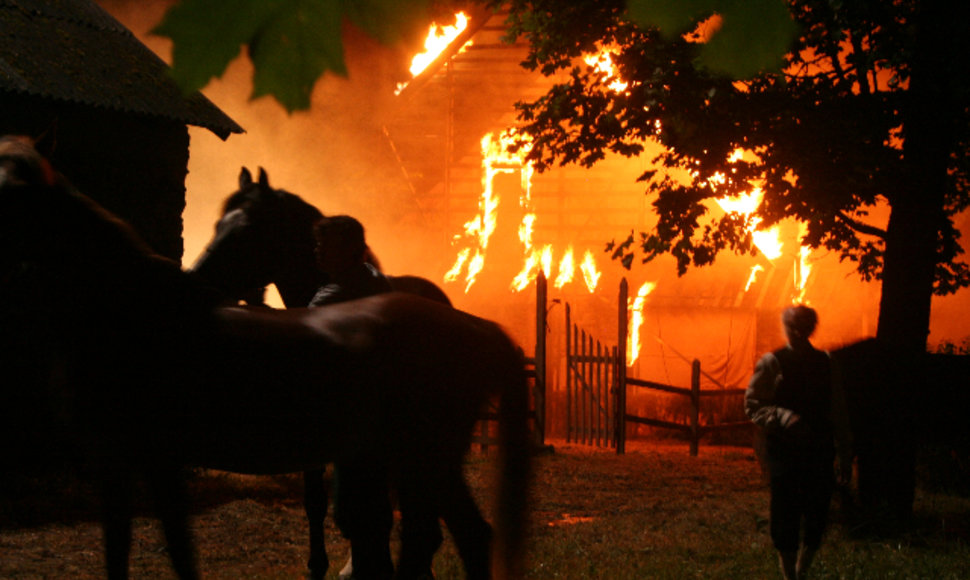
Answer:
x=74 y=51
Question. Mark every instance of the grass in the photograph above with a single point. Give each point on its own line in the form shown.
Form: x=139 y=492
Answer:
x=654 y=513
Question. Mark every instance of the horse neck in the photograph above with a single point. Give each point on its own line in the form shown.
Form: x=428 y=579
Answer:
x=296 y=274
x=297 y=277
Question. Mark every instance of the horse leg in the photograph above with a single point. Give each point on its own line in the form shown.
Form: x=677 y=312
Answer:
x=420 y=530
x=471 y=533
x=315 y=497
x=168 y=492
x=116 y=521
x=362 y=511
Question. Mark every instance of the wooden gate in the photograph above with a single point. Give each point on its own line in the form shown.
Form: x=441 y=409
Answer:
x=592 y=411
x=596 y=390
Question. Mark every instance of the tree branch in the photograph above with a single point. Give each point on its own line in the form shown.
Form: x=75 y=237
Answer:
x=860 y=227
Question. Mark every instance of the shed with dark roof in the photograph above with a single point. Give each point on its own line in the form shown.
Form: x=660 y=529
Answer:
x=115 y=123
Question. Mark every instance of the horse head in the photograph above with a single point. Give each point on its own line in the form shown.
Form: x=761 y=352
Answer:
x=263 y=236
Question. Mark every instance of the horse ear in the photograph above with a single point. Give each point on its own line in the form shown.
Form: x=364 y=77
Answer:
x=245 y=178
x=264 y=179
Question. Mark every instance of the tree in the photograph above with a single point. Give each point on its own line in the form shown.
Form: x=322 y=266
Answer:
x=871 y=105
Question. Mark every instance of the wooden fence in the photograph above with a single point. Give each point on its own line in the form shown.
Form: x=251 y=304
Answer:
x=592 y=411
x=596 y=390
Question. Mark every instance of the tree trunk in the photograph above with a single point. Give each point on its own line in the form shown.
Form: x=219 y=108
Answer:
x=917 y=208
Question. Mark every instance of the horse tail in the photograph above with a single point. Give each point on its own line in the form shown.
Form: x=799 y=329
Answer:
x=514 y=459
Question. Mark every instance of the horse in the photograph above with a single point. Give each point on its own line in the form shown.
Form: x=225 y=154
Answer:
x=152 y=375
x=265 y=236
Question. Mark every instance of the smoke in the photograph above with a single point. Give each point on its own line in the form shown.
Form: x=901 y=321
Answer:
x=334 y=155
x=338 y=156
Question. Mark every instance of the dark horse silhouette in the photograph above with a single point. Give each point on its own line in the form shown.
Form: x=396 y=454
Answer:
x=265 y=236
x=152 y=376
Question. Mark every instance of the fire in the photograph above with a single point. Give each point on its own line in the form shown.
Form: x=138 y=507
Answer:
x=767 y=241
x=567 y=268
x=753 y=276
x=438 y=39
x=635 y=316
x=590 y=274
x=802 y=269
x=498 y=157
x=602 y=62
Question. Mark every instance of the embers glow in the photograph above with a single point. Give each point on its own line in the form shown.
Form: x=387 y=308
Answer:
x=438 y=39
x=635 y=316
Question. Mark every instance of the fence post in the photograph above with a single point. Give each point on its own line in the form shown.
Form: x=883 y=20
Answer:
x=569 y=376
x=695 y=406
x=539 y=394
x=620 y=369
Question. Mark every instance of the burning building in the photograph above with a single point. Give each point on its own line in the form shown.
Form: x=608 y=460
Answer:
x=423 y=158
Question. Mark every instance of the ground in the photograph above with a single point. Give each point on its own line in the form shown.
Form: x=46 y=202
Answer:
x=654 y=512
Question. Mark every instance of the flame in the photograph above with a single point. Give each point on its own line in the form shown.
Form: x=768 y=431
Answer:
x=767 y=241
x=474 y=267
x=525 y=230
x=590 y=274
x=602 y=62
x=455 y=271
x=438 y=39
x=635 y=316
x=802 y=268
x=499 y=156
x=529 y=271
x=567 y=269
x=480 y=228
x=753 y=276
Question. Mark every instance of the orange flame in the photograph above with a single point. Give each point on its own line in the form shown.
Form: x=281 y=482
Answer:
x=753 y=276
x=802 y=269
x=567 y=269
x=635 y=316
x=438 y=39
x=602 y=62
x=590 y=274
x=767 y=241
x=498 y=157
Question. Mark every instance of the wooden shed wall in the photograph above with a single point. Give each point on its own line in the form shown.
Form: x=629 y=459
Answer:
x=135 y=166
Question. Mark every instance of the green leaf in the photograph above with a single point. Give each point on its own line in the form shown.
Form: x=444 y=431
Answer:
x=294 y=48
x=208 y=34
x=390 y=21
x=671 y=17
x=755 y=35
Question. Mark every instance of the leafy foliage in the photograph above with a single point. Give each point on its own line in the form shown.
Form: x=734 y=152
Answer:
x=826 y=130
x=292 y=43
x=733 y=49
